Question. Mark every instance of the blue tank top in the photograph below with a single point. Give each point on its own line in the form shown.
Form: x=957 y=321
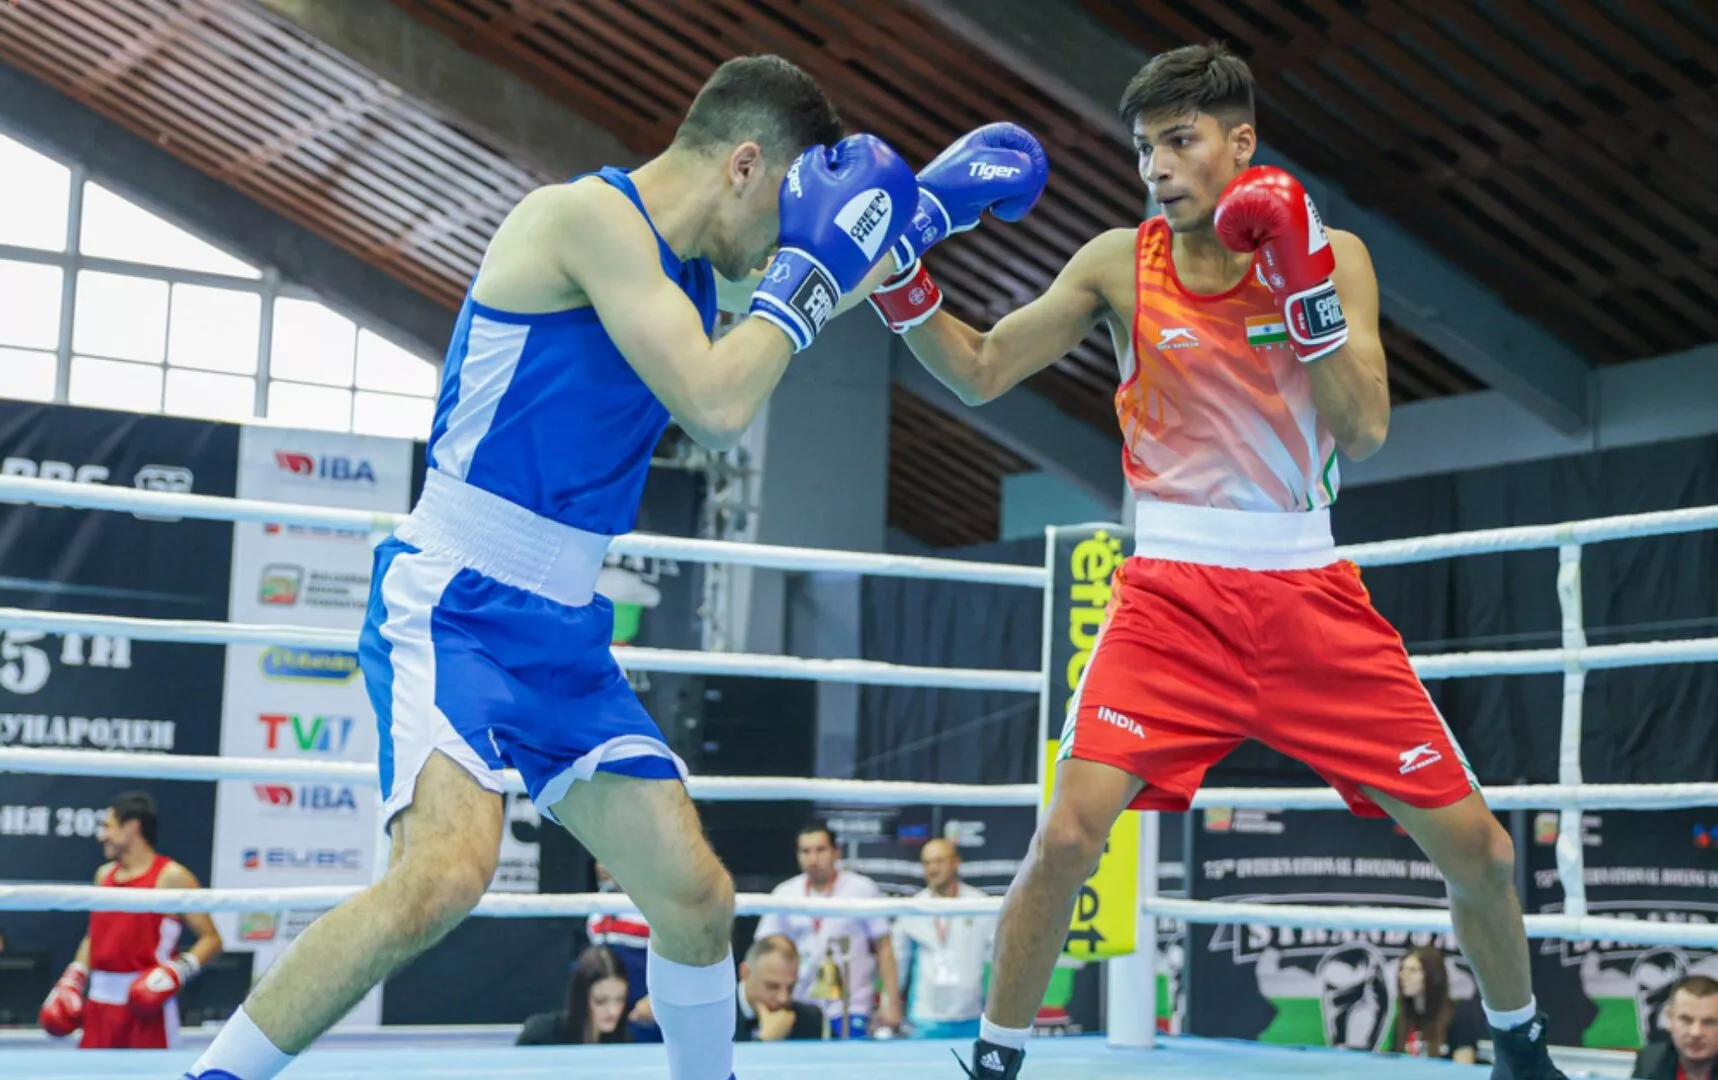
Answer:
x=545 y=412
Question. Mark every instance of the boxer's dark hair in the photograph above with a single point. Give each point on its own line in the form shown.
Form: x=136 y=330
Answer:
x=762 y=99
x=135 y=806
x=817 y=825
x=1191 y=79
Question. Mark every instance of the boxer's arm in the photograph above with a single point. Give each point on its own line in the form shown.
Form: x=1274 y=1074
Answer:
x=208 y=944
x=610 y=256
x=982 y=366
x=1349 y=387
x=82 y=957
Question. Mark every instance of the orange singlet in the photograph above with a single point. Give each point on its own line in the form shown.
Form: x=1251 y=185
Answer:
x=1235 y=619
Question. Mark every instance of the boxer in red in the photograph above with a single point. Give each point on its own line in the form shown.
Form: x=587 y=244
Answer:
x=122 y=987
x=1249 y=347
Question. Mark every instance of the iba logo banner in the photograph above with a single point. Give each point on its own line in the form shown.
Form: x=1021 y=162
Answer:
x=330 y=467
x=326 y=799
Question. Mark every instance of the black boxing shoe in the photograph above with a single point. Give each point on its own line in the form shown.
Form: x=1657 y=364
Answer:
x=992 y=1062
x=1522 y=1053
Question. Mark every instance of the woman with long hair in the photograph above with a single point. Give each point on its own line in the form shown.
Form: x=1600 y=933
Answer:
x=596 y=1006
x=1430 y=1023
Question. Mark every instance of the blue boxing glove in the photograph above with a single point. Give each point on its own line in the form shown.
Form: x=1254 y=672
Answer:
x=841 y=209
x=998 y=167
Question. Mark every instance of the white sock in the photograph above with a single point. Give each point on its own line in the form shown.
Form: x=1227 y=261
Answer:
x=1013 y=1038
x=1514 y=1018
x=243 y=1051
x=694 y=1006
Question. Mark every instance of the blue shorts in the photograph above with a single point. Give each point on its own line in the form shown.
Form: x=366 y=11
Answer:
x=496 y=676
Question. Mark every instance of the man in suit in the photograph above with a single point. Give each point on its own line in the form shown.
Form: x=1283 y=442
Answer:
x=765 y=1010
x=1691 y=1015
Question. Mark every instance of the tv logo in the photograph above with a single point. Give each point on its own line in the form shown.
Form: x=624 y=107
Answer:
x=330 y=467
x=309 y=665
x=309 y=798
x=312 y=735
x=303 y=859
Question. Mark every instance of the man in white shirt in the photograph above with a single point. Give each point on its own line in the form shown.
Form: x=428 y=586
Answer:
x=858 y=949
x=944 y=958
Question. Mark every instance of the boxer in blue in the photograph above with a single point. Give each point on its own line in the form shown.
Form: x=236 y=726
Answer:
x=485 y=645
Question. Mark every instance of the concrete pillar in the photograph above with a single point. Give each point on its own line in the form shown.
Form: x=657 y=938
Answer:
x=822 y=451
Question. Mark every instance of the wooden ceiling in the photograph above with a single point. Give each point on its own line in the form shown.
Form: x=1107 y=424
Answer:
x=1489 y=136
x=1560 y=152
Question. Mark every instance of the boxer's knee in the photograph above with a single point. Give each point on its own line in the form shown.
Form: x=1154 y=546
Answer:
x=1068 y=845
x=430 y=897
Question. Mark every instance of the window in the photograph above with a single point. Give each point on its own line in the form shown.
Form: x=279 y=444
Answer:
x=114 y=228
x=121 y=317
x=161 y=320
x=214 y=329
x=115 y=384
x=36 y=192
x=27 y=376
x=30 y=305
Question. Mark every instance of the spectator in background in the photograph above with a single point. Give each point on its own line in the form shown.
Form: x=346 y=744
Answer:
x=838 y=957
x=1430 y=1023
x=596 y=1006
x=767 y=1011
x=1692 y=1050
x=943 y=960
x=628 y=937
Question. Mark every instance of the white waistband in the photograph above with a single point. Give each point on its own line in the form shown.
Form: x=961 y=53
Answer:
x=111 y=987
x=505 y=541
x=1243 y=539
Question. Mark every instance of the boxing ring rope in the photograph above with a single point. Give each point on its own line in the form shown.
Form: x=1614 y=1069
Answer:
x=1134 y=976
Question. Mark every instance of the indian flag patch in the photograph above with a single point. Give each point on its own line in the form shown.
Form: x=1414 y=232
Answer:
x=1266 y=330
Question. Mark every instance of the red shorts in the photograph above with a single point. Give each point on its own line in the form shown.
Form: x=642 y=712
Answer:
x=1193 y=659
x=116 y=1027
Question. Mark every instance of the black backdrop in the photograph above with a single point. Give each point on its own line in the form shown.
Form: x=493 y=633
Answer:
x=1657 y=724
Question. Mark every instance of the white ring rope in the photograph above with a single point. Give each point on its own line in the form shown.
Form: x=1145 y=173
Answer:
x=1436 y=921
x=629 y=657
x=494 y=905
x=520 y=905
x=19 y=489
x=1570 y=796
x=138 y=766
x=862 y=672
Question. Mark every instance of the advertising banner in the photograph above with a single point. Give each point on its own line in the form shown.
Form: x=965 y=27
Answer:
x=1306 y=987
x=1658 y=866
x=292 y=703
x=95 y=692
x=1082 y=559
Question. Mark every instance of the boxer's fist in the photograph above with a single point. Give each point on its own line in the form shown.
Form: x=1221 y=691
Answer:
x=842 y=207
x=152 y=989
x=1266 y=210
x=63 y=1012
x=998 y=167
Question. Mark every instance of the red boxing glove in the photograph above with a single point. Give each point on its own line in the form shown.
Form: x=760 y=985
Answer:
x=1266 y=210
x=907 y=299
x=152 y=989
x=63 y=1012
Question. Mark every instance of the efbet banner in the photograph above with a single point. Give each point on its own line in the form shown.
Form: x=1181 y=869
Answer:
x=1081 y=560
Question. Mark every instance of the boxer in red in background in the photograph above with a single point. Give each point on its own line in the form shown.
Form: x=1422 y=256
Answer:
x=122 y=987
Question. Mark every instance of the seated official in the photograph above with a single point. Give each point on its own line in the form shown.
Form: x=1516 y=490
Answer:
x=1430 y=1023
x=1691 y=1051
x=596 y=1006
x=767 y=1011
